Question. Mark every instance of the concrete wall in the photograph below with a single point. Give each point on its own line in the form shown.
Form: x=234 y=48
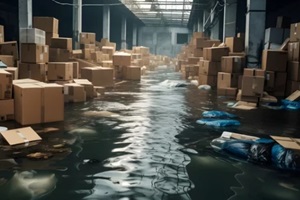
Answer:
x=161 y=40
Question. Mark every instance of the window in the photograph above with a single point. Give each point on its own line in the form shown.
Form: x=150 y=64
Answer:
x=182 y=38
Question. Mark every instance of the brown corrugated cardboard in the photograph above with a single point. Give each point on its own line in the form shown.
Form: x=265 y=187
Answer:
x=230 y=92
x=98 y=57
x=207 y=80
x=33 y=53
x=295 y=32
x=9 y=48
x=285 y=45
x=244 y=105
x=1 y=33
x=251 y=99
x=215 y=53
x=253 y=86
x=48 y=24
x=198 y=35
x=135 y=56
x=235 y=44
x=287 y=142
x=209 y=68
x=121 y=59
x=75 y=69
x=49 y=37
x=204 y=43
x=87 y=53
x=270 y=81
x=254 y=72
x=87 y=38
x=107 y=63
x=33 y=71
x=292 y=86
x=293 y=71
x=294 y=96
x=77 y=54
x=227 y=80
x=60 y=71
x=14 y=71
x=108 y=50
x=5 y=85
x=74 y=93
x=274 y=60
x=233 y=64
x=280 y=84
x=25 y=81
x=238 y=136
x=99 y=76
x=7 y=111
x=59 y=55
x=88 y=87
x=62 y=43
x=20 y=136
x=8 y=60
x=132 y=73
x=193 y=60
x=198 y=53
x=242 y=54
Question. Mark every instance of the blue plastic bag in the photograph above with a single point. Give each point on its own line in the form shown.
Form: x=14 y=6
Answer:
x=218 y=122
x=217 y=114
x=261 y=151
x=278 y=156
x=238 y=148
x=291 y=105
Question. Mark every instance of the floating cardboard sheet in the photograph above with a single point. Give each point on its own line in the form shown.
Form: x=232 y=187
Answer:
x=20 y=136
x=238 y=136
x=295 y=96
x=288 y=142
x=241 y=105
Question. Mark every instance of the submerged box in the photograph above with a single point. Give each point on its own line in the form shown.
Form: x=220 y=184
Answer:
x=74 y=93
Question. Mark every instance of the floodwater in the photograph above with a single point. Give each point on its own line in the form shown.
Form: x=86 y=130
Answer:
x=146 y=145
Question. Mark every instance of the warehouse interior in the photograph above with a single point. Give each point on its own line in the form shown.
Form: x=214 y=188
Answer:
x=149 y=99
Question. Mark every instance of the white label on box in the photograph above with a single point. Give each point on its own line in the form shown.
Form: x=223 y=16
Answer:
x=42 y=56
x=226 y=134
x=66 y=90
x=46 y=49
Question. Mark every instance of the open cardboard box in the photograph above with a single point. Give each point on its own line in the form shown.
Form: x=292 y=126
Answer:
x=20 y=136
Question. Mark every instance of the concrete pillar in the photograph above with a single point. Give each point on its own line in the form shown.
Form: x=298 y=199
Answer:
x=255 y=31
x=134 y=35
x=25 y=13
x=106 y=22
x=123 y=33
x=230 y=14
x=77 y=22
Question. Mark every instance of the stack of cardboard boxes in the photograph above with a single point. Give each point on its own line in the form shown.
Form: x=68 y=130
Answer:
x=6 y=101
x=49 y=25
x=144 y=52
x=87 y=44
x=123 y=68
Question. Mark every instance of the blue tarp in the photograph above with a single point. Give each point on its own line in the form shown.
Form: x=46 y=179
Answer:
x=218 y=122
x=217 y=114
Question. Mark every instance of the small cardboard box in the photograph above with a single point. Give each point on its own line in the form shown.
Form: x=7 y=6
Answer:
x=88 y=87
x=47 y=24
x=74 y=93
x=20 y=136
x=87 y=53
x=59 y=55
x=1 y=33
x=209 y=68
x=10 y=48
x=249 y=99
x=207 y=80
x=7 y=111
x=99 y=76
x=5 y=85
x=193 y=60
x=233 y=64
x=8 y=60
x=235 y=44
x=230 y=92
x=274 y=60
x=62 y=43
x=14 y=71
x=215 y=54
x=49 y=37
x=108 y=50
x=254 y=72
x=87 y=38
x=198 y=53
x=32 y=35
x=58 y=71
x=33 y=71
x=295 y=32
x=121 y=59
x=34 y=53
x=133 y=73
x=107 y=63
x=280 y=84
x=253 y=85
x=227 y=80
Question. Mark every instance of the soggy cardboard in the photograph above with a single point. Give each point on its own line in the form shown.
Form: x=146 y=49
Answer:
x=20 y=136
x=243 y=105
x=253 y=86
x=88 y=87
x=295 y=96
x=287 y=142
x=230 y=135
x=207 y=80
x=229 y=92
x=99 y=76
x=6 y=79
x=74 y=93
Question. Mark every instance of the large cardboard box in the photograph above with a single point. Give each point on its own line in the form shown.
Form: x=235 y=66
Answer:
x=133 y=73
x=227 y=80
x=75 y=70
x=99 y=76
x=254 y=72
x=33 y=71
x=62 y=43
x=87 y=38
x=58 y=71
x=207 y=80
x=7 y=111
x=270 y=81
x=295 y=32
x=47 y=24
x=49 y=37
x=204 y=43
x=274 y=60
x=1 y=33
x=32 y=35
x=229 y=92
x=14 y=71
x=253 y=85
x=59 y=55
x=121 y=59
x=98 y=56
x=5 y=85
x=209 y=68
x=293 y=71
x=88 y=87
x=235 y=44
x=8 y=60
x=280 y=84
x=74 y=93
x=198 y=53
x=233 y=64
x=215 y=54
x=34 y=53
x=108 y=50
x=9 y=48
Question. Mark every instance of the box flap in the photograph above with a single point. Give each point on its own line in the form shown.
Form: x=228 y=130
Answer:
x=20 y=136
x=242 y=105
x=238 y=136
x=294 y=96
x=287 y=142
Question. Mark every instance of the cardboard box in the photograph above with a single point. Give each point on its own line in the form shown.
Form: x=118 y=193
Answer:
x=108 y=50
x=235 y=44
x=293 y=71
x=193 y=60
x=8 y=60
x=242 y=54
x=145 y=51
x=1 y=33
x=88 y=87
x=270 y=81
x=62 y=43
x=14 y=71
x=295 y=96
x=230 y=92
x=20 y=136
x=251 y=99
x=241 y=35
x=58 y=71
x=59 y=55
x=121 y=59
x=75 y=70
x=135 y=56
x=274 y=60
x=240 y=81
x=287 y=142
x=108 y=64
x=198 y=34
x=99 y=76
x=88 y=46
x=25 y=81
x=280 y=84
x=254 y=72
x=87 y=54
x=227 y=80
x=198 y=53
x=33 y=71
x=253 y=85
x=283 y=22
x=32 y=35
x=209 y=68
x=207 y=80
x=294 y=51
x=9 y=48
x=98 y=56
x=47 y=24
x=5 y=85
x=87 y=38
x=49 y=37
x=215 y=54
x=74 y=93
x=7 y=111
x=34 y=53
x=295 y=32
x=204 y=43
x=233 y=64
x=133 y=73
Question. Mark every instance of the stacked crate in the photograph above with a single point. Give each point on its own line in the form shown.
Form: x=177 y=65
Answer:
x=87 y=44
x=49 y=25
x=122 y=66
x=236 y=45
x=191 y=68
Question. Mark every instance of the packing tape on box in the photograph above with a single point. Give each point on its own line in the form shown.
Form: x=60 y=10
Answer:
x=26 y=141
